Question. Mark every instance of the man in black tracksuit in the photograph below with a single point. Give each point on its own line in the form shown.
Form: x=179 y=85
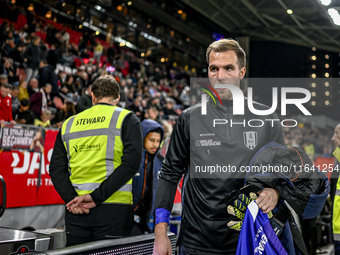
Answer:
x=195 y=144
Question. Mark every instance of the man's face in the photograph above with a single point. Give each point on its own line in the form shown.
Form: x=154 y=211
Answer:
x=4 y=91
x=153 y=114
x=14 y=93
x=34 y=83
x=152 y=141
x=36 y=42
x=169 y=105
x=7 y=64
x=48 y=89
x=3 y=81
x=224 y=69
x=336 y=136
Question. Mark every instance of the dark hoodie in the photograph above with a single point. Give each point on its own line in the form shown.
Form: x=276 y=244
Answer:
x=145 y=181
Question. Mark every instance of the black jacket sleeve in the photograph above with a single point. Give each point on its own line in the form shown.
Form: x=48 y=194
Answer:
x=44 y=77
x=132 y=157
x=174 y=165
x=59 y=171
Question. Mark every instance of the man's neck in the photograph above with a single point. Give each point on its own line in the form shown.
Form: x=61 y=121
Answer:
x=107 y=100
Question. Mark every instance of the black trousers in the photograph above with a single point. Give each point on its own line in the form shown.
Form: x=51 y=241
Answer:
x=103 y=222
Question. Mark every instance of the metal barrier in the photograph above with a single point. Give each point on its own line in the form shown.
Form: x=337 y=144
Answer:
x=136 y=245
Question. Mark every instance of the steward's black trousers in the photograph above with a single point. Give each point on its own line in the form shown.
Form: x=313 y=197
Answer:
x=103 y=222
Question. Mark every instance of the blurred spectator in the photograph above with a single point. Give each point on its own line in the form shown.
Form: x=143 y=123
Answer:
x=41 y=101
x=169 y=108
x=32 y=56
x=85 y=101
x=69 y=84
x=33 y=87
x=185 y=96
x=3 y=31
x=63 y=113
x=47 y=75
x=64 y=37
x=23 y=93
x=17 y=55
x=153 y=114
x=24 y=115
x=8 y=69
x=52 y=56
x=15 y=101
x=7 y=47
x=110 y=53
x=82 y=44
x=3 y=79
x=98 y=51
x=137 y=108
x=44 y=120
x=6 y=104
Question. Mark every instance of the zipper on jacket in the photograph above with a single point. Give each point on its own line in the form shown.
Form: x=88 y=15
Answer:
x=144 y=182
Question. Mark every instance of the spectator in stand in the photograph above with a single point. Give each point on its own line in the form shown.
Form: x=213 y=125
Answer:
x=32 y=56
x=111 y=52
x=64 y=37
x=63 y=113
x=23 y=93
x=7 y=47
x=15 y=101
x=33 y=87
x=185 y=96
x=153 y=114
x=6 y=104
x=98 y=51
x=47 y=75
x=8 y=69
x=24 y=115
x=69 y=84
x=169 y=107
x=85 y=101
x=17 y=54
x=3 y=32
x=137 y=108
x=82 y=44
x=44 y=120
x=41 y=101
x=53 y=56
x=31 y=21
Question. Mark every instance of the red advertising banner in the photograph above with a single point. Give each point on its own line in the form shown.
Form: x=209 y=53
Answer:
x=20 y=169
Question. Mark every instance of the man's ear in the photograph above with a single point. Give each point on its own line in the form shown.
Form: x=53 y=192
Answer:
x=118 y=99
x=93 y=98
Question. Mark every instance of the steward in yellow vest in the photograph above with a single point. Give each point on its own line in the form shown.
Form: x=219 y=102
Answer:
x=96 y=154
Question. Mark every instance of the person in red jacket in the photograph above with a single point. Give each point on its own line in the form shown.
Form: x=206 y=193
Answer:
x=6 y=104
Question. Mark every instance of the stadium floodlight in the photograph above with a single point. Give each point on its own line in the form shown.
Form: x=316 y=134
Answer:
x=335 y=16
x=325 y=2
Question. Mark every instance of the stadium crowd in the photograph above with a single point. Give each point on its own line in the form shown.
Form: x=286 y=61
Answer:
x=46 y=71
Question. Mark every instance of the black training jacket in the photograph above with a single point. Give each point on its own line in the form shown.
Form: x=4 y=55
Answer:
x=196 y=143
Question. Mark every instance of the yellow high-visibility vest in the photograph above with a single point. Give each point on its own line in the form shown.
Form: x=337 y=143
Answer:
x=94 y=148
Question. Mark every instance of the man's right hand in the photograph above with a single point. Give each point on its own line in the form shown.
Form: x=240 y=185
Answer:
x=162 y=244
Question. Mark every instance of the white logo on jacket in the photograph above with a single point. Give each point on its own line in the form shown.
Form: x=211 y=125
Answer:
x=250 y=139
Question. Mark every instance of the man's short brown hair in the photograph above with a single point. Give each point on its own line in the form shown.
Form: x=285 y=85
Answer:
x=224 y=45
x=7 y=86
x=105 y=86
